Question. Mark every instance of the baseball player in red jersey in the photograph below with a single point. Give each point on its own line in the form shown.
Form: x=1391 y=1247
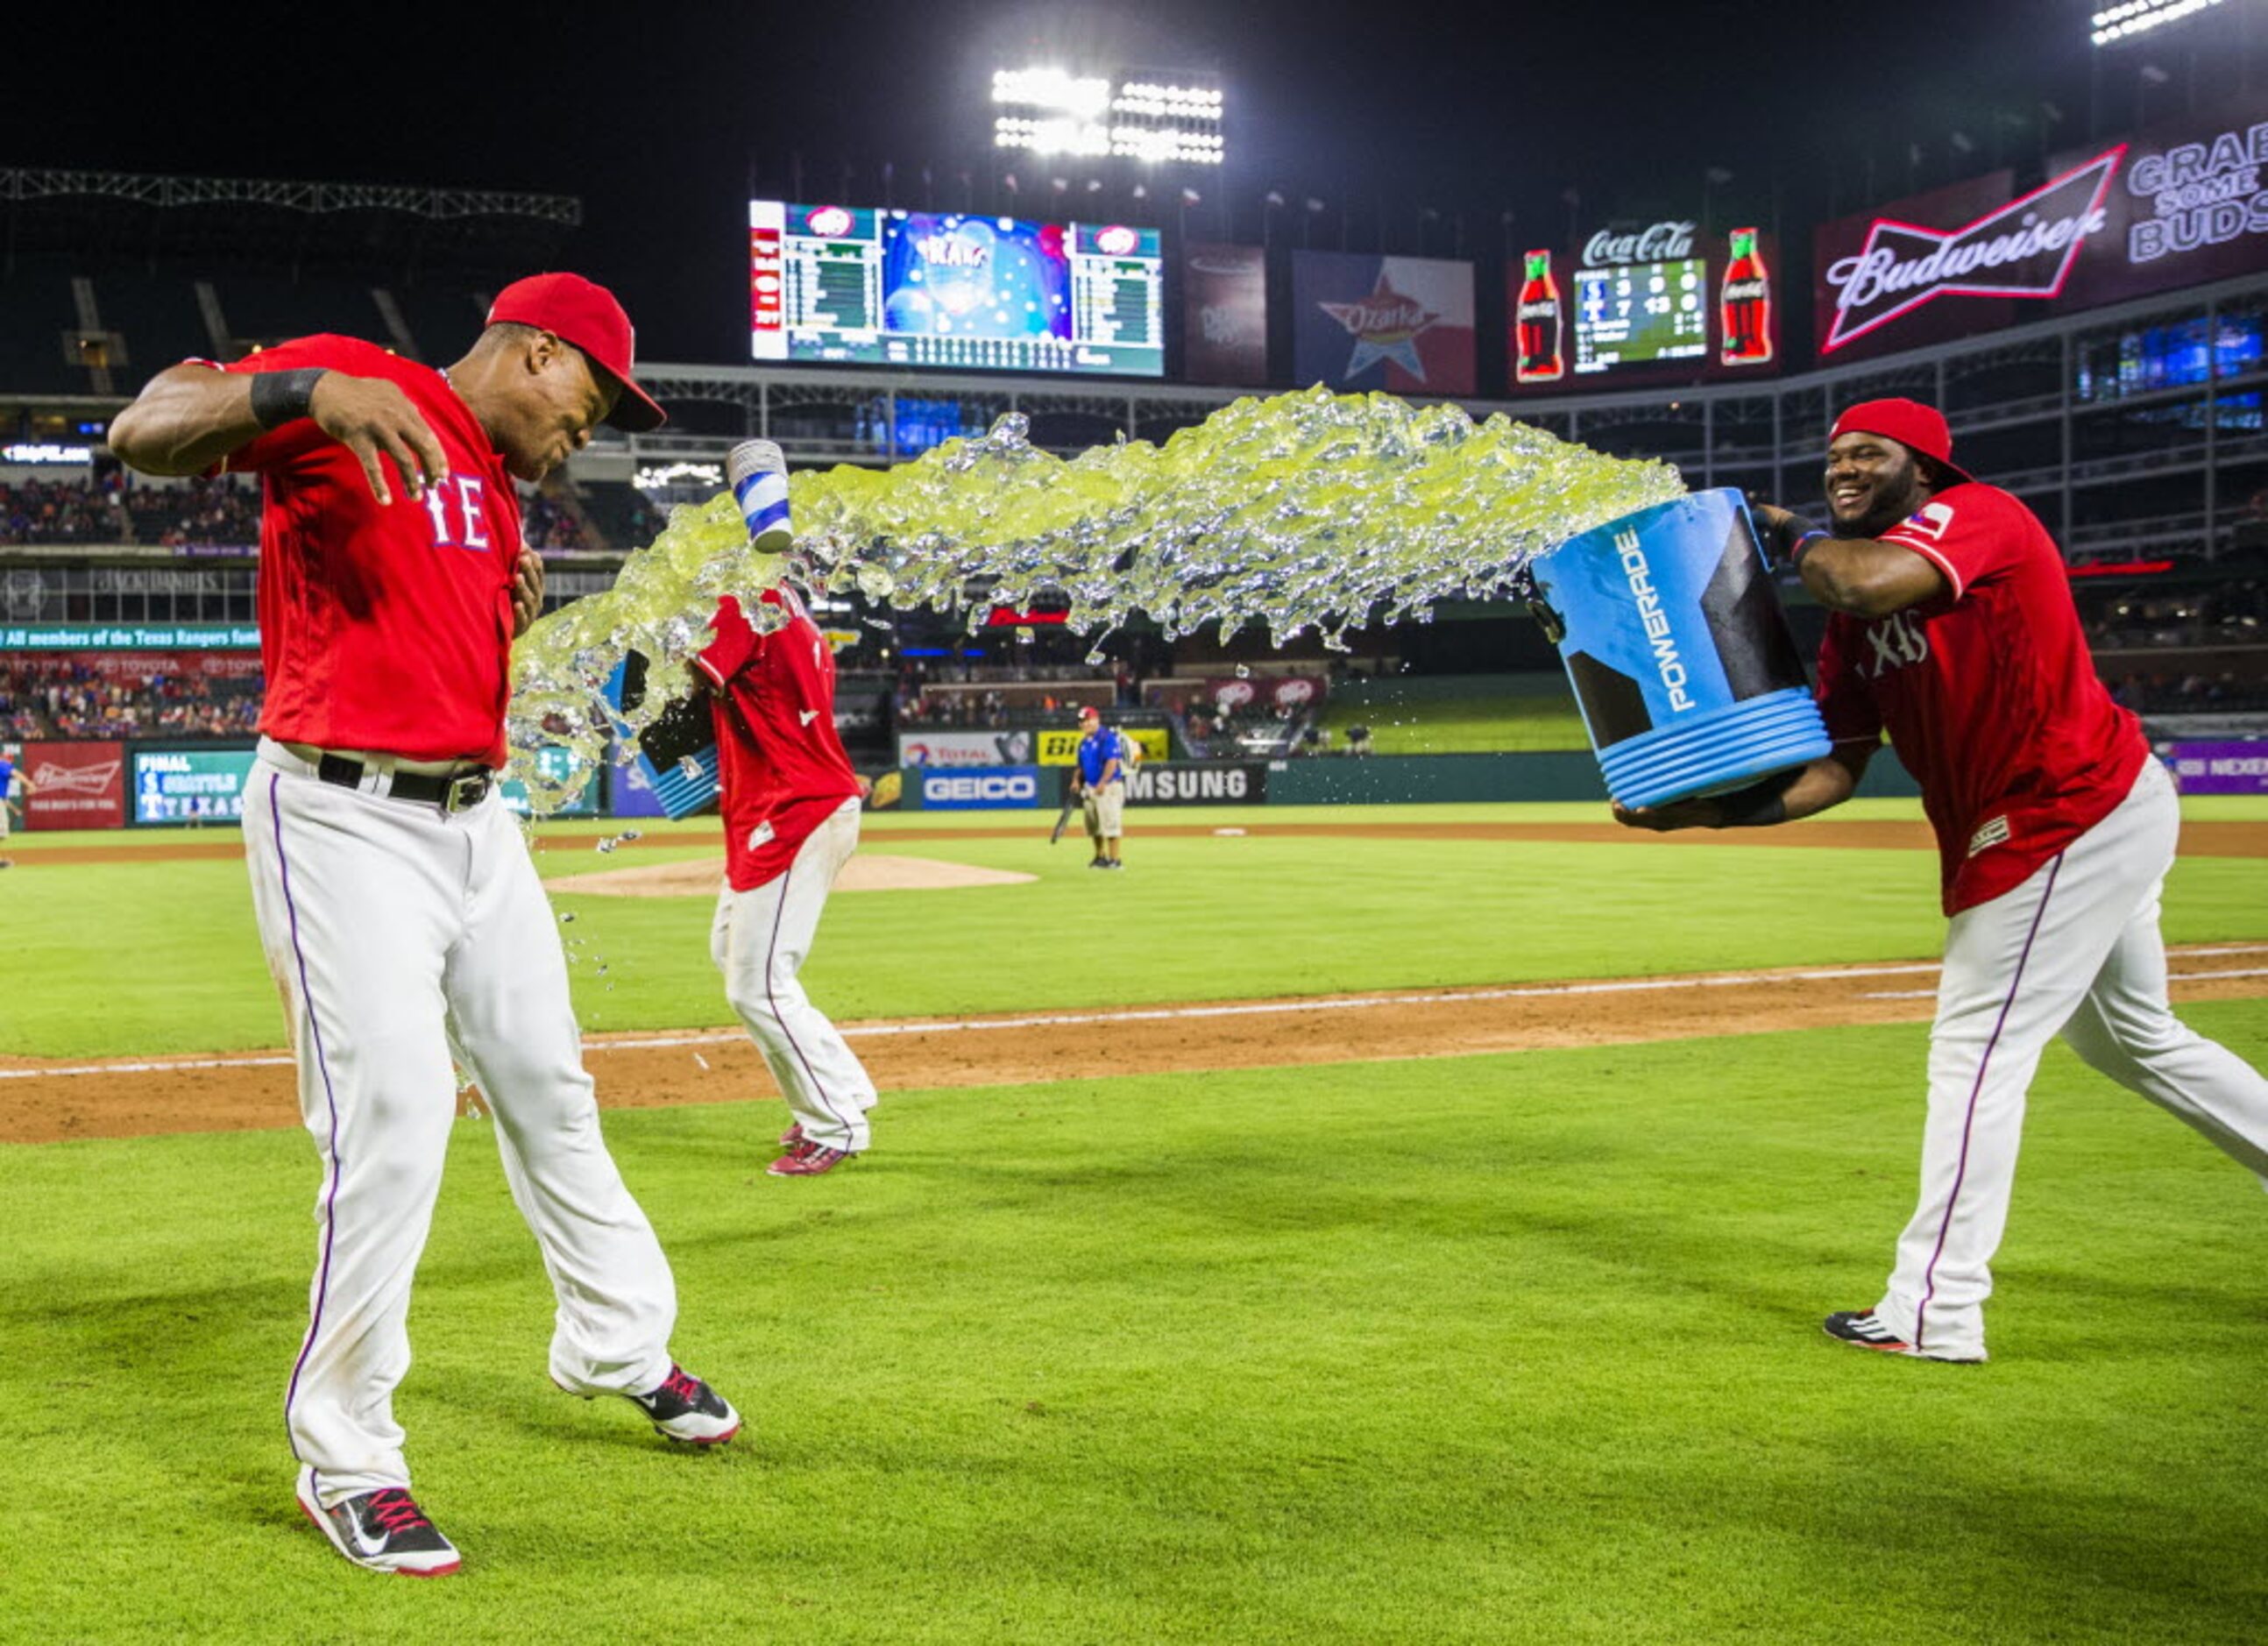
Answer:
x=397 y=904
x=790 y=802
x=1952 y=630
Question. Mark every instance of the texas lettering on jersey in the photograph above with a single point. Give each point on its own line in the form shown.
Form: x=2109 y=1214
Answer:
x=1988 y=694
x=385 y=628
x=458 y=508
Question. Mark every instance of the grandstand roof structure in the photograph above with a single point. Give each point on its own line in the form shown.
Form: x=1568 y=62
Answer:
x=280 y=224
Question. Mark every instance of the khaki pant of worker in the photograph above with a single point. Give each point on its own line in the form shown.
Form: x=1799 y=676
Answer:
x=1105 y=805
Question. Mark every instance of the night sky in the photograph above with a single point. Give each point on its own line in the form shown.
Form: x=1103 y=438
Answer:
x=661 y=117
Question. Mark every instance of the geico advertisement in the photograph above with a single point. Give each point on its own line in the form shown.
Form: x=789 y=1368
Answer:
x=981 y=788
x=1061 y=748
x=1209 y=783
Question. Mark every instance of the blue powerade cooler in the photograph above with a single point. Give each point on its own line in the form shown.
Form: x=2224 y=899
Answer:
x=677 y=756
x=1681 y=661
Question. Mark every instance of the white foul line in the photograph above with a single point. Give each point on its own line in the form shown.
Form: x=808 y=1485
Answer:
x=1257 y=1008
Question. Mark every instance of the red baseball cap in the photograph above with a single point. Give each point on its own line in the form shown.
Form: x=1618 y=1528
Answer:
x=1916 y=427
x=1090 y=713
x=584 y=312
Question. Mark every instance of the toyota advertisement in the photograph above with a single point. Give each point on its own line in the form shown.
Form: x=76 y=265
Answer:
x=965 y=748
x=2177 y=205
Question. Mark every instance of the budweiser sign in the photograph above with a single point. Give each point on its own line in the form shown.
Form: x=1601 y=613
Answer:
x=2023 y=249
x=75 y=786
x=1660 y=242
x=52 y=777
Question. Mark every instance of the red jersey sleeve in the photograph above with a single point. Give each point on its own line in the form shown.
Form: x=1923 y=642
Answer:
x=1965 y=532
x=1849 y=710
x=281 y=447
x=735 y=645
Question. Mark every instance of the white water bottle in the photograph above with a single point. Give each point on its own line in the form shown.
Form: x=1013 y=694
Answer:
x=758 y=474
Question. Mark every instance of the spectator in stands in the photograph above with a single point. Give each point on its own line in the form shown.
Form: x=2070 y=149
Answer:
x=59 y=511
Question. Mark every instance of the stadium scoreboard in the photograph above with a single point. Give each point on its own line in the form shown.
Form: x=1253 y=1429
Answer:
x=955 y=291
x=1635 y=313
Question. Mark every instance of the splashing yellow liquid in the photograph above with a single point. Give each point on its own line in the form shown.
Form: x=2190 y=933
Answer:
x=1306 y=510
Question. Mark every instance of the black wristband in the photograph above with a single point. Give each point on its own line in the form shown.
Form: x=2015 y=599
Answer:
x=1784 y=539
x=1758 y=805
x=282 y=397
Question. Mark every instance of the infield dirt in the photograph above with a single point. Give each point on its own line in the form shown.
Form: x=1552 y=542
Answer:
x=49 y=1101
x=2199 y=839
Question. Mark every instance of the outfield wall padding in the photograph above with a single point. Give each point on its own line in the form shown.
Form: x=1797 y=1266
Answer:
x=1433 y=779
x=1416 y=779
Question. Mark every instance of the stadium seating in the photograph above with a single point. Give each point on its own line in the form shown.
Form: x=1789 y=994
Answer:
x=65 y=697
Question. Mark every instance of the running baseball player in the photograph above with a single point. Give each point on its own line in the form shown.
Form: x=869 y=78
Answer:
x=1952 y=630
x=790 y=801
x=1100 y=774
x=11 y=781
x=397 y=901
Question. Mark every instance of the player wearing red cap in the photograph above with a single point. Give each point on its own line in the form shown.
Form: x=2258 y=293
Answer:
x=790 y=802
x=1952 y=630
x=397 y=904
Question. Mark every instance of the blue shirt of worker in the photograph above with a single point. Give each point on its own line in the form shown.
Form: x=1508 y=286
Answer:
x=1096 y=750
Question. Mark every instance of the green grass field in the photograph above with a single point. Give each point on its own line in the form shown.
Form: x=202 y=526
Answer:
x=1458 y=714
x=1504 y=1348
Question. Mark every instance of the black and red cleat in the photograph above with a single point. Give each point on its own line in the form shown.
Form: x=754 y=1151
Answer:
x=686 y=1408
x=383 y=1530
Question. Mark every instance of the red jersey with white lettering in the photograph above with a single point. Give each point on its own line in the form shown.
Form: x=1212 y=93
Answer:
x=386 y=628
x=779 y=761
x=1988 y=693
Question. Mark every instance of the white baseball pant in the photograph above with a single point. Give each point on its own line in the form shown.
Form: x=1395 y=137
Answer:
x=396 y=934
x=2075 y=949
x=759 y=940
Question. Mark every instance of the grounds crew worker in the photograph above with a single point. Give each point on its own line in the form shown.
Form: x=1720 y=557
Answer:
x=1100 y=775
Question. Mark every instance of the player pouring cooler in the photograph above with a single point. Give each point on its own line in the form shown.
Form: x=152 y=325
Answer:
x=1952 y=630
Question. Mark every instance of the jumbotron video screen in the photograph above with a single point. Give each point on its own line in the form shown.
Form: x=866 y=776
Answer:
x=955 y=291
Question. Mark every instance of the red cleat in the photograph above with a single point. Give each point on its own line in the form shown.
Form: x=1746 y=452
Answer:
x=807 y=1159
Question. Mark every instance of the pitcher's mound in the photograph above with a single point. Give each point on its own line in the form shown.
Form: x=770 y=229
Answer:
x=699 y=877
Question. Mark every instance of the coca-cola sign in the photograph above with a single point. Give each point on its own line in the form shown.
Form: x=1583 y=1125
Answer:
x=1658 y=242
x=2025 y=248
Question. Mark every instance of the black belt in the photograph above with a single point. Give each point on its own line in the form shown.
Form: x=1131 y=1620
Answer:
x=451 y=794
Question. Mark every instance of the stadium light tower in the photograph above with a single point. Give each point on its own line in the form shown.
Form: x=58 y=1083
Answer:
x=1132 y=113
x=2123 y=21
